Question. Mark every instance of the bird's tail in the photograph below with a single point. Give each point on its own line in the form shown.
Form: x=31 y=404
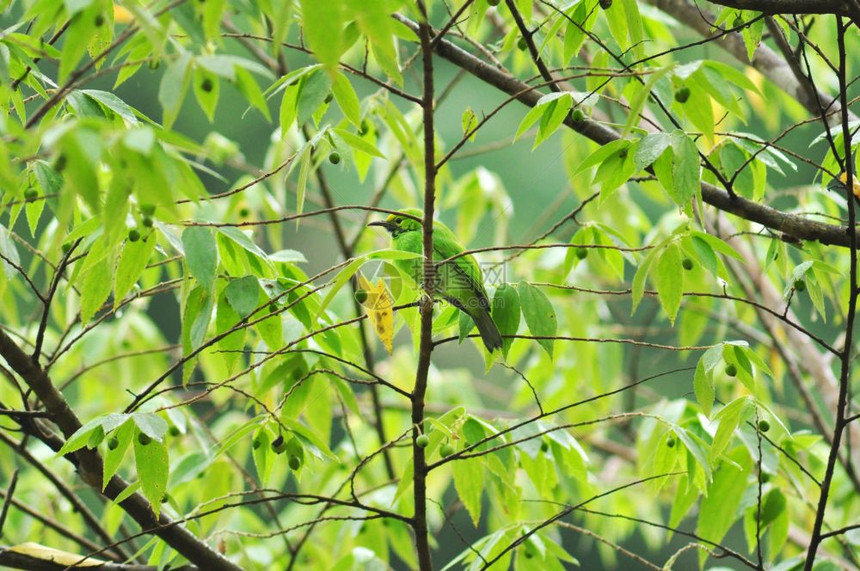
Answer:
x=487 y=328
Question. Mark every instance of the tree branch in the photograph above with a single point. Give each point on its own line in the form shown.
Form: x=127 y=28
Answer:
x=90 y=466
x=791 y=225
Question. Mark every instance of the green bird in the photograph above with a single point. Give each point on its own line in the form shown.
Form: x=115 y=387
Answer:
x=459 y=281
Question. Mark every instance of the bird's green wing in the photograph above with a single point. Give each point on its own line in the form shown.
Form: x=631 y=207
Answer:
x=464 y=270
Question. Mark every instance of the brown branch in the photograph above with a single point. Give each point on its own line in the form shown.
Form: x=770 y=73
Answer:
x=792 y=225
x=90 y=465
x=790 y=6
x=419 y=476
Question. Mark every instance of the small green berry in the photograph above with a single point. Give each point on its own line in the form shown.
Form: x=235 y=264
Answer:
x=244 y=212
x=143 y=438
x=273 y=307
x=113 y=443
x=295 y=463
x=278 y=445
x=446 y=450
x=31 y=194
x=544 y=446
x=522 y=45
x=578 y=115
x=582 y=253
x=133 y=235
x=60 y=163
x=682 y=95
x=731 y=370
x=147 y=222
x=765 y=477
x=99 y=21
x=763 y=425
x=606 y=4
x=256 y=443
x=206 y=85
x=334 y=158
x=670 y=441
x=360 y=295
x=799 y=285
x=687 y=264
x=174 y=430
x=66 y=247
x=164 y=498
x=423 y=441
x=328 y=98
x=365 y=128
x=738 y=22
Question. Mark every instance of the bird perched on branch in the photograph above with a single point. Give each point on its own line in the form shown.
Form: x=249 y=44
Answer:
x=460 y=281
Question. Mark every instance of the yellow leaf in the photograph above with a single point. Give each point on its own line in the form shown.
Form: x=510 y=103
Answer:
x=122 y=15
x=378 y=305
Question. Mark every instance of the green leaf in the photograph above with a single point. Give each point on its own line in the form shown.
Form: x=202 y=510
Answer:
x=717 y=244
x=703 y=387
x=358 y=143
x=637 y=104
x=207 y=87
x=114 y=457
x=195 y=319
x=538 y=313
x=468 y=122
x=729 y=418
x=685 y=169
x=201 y=254
x=719 y=508
x=668 y=276
x=313 y=90
x=322 y=27
x=553 y=116
x=151 y=424
x=263 y=454
x=95 y=287
x=132 y=262
x=469 y=483
x=506 y=313
x=174 y=84
x=243 y=295
x=346 y=98
x=153 y=468
x=602 y=154
x=114 y=103
x=640 y=277
x=649 y=148
x=81 y=436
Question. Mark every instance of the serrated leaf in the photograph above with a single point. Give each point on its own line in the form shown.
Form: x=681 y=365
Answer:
x=469 y=483
x=685 y=169
x=153 y=468
x=649 y=148
x=114 y=457
x=151 y=424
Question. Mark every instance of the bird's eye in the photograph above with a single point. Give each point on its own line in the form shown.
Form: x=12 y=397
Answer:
x=398 y=220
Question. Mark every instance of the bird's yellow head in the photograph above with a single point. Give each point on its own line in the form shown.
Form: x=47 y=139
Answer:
x=406 y=220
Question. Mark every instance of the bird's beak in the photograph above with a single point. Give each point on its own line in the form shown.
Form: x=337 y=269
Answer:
x=383 y=223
